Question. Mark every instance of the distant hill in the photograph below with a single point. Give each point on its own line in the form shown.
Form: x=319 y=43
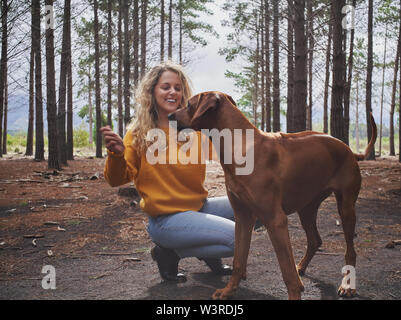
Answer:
x=18 y=114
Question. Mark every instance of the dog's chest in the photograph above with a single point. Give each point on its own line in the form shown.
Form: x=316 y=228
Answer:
x=239 y=190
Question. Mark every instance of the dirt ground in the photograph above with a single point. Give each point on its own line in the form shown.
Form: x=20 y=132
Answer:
x=96 y=239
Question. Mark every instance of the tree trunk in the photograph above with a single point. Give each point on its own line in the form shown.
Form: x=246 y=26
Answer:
x=70 y=127
x=170 y=30
x=29 y=136
x=393 y=94
x=162 y=31
x=5 y=112
x=136 y=42
x=262 y=67
x=3 y=66
x=51 y=103
x=143 y=36
x=39 y=137
x=61 y=115
x=256 y=79
x=382 y=95
x=357 y=116
x=327 y=79
x=97 y=84
x=109 y=62
x=127 y=116
x=311 y=44
x=348 y=83
x=119 y=71
x=300 y=81
x=267 y=61
x=337 y=96
x=290 y=67
x=371 y=156
x=90 y=111
x=276 y=69
x=180 y=12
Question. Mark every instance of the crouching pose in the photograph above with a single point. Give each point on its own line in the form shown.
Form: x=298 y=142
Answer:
x=183 y=222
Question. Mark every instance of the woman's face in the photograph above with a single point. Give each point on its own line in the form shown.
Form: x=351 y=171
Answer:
x=168 y=93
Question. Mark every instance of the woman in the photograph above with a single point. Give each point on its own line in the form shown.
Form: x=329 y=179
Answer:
x=182 y=221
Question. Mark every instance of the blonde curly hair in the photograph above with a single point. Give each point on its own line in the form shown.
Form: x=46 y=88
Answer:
x=145 y=103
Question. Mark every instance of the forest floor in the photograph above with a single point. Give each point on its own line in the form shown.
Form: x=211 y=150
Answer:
x=96 y=239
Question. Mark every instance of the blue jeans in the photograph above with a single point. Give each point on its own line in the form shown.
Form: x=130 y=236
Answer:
x=207 y=233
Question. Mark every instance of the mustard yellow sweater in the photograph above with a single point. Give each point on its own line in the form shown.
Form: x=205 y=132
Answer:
x=164 y=188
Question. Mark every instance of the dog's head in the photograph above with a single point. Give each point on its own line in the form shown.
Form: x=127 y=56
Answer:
x=200 y=112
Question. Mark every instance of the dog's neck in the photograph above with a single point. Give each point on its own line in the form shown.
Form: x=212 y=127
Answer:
x=241 y=129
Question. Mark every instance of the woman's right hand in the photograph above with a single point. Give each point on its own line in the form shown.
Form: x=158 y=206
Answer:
x=113 y=141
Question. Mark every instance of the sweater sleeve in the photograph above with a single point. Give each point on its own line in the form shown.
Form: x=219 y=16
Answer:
x=121 y=168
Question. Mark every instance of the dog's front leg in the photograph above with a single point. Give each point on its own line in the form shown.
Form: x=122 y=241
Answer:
x=244 y=223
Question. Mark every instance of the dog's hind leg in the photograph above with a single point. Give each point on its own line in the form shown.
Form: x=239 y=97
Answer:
x=346 y=208
x=308 y=216
x=308 y=220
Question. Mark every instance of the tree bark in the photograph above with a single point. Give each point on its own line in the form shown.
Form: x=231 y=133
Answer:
x=136 y=42
x=5 y=112
x=144 y=18
x=39 y=137
x=393 y=94
x=127 y=116
x=262 y=66
x=3 y=65
x=170 y=30
x=29 y=136
x=371 y=156
x=382 y=95
x=348 y=83
x=276 y=69
x=61 y=115
x=290 y=67
x=300 y=80
x=267 y=61
x=51 y=103
x=70 y=127
x=119 y=71
x=337 y=96
x=180 y=13
x=97 y=84
x=327 y=79
x=109 y=62
x=311 y=44
x=162 y=13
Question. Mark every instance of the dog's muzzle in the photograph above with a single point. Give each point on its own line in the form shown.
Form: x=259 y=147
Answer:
x=171 y=117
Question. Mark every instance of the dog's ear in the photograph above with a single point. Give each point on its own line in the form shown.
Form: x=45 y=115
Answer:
x=207 y=101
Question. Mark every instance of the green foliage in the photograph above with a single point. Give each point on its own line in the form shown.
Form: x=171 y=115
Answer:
x=81 y=137
x=16 y=140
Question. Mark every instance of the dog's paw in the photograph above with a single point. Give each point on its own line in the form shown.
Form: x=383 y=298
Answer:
x=221 y=294
x=346 y=292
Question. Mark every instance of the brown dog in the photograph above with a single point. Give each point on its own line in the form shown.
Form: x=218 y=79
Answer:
x=292 y=173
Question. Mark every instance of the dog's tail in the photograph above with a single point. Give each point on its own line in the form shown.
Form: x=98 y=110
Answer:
x=363 y=156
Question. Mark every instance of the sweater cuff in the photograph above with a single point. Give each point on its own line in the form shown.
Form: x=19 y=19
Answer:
x=115 y=155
